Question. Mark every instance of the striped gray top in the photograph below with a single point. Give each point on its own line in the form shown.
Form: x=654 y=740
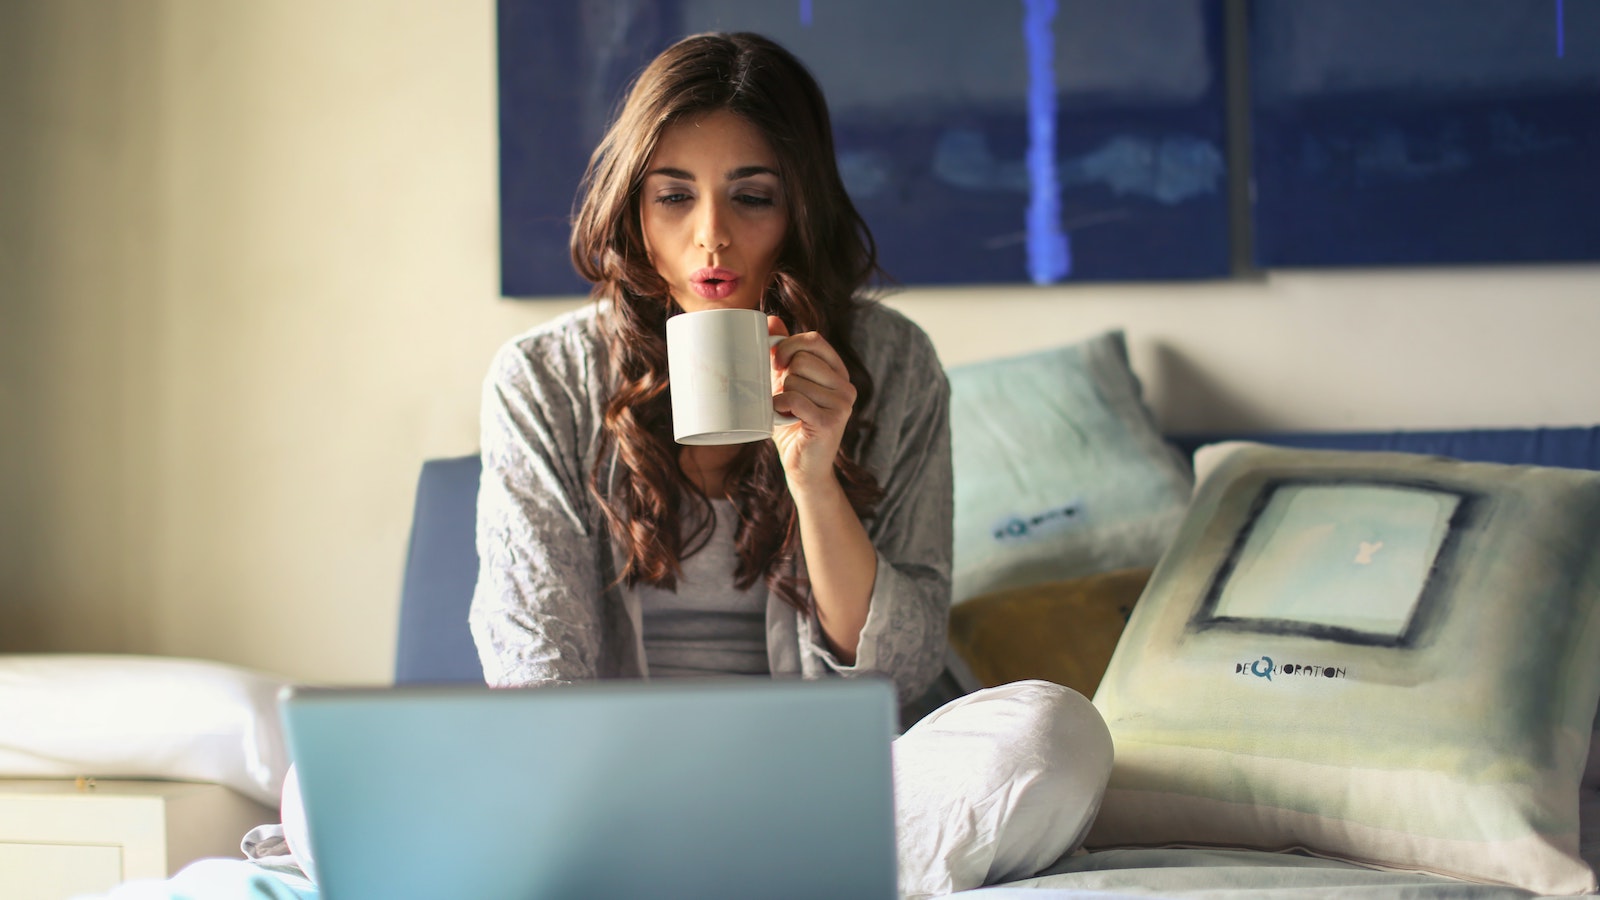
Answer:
x=707 y=626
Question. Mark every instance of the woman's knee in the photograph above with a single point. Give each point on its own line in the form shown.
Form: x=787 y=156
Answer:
x=1069 y=720
x=1032 y=722
x=1025 y=763
x=292 y=812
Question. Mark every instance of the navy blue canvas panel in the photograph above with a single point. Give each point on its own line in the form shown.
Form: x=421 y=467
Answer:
x=1571 y=448
x=1036 y=141
x=1425 y=132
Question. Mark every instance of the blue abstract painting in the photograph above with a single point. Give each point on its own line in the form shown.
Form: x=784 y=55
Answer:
x=1425 y=132
x=984 y=142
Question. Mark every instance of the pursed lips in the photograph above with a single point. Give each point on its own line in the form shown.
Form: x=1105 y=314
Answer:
x=714 y=282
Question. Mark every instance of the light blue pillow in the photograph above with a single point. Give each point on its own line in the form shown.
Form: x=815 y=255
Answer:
x=1060 y=471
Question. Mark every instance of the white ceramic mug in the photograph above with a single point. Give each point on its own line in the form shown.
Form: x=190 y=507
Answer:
x=720 y=365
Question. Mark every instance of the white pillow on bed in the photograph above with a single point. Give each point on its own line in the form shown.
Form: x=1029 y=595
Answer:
x=64 y=715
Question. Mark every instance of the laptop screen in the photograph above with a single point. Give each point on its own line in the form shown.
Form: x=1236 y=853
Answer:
x=727 y=788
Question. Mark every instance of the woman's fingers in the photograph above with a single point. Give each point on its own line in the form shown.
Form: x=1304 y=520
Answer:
x=791 y=351
x=814 y=387
x=811 y=413
x=814 y=370
x=813 y=383
x=826 y=395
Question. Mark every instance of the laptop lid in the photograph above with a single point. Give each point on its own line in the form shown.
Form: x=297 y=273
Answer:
x=729 y=788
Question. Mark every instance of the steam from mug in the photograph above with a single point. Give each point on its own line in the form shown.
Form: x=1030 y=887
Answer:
x=719 y=363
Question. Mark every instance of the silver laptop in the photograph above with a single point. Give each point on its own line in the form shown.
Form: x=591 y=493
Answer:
x=736 y=788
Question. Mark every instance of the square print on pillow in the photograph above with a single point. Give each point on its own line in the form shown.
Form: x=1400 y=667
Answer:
x=1386 y=658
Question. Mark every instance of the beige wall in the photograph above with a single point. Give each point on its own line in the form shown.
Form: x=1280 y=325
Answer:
x=249 y=282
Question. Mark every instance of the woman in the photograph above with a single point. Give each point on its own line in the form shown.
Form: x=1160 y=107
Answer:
x=723 y=143
x=607 y=550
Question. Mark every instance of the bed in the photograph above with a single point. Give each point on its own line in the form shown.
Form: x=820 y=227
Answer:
x=1075 y=509
x=1435 y=746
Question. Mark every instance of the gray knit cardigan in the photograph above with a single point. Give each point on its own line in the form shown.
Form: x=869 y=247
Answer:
x=547 y=608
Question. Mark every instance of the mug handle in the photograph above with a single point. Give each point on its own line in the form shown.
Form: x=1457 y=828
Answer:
x=779 y=418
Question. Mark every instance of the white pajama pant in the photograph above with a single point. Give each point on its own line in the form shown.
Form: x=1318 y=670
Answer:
x=990 y=787
x=996 y=786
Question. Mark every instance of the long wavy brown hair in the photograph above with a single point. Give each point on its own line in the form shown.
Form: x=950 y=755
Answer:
x=656 y=514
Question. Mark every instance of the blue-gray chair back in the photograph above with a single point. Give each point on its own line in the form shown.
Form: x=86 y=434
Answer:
x=434 y=645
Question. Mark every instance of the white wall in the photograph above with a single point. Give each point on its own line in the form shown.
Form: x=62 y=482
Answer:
x=1435 y=348
x=249 y=282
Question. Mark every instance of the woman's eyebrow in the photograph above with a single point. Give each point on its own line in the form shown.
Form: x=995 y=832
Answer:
x=732 y=174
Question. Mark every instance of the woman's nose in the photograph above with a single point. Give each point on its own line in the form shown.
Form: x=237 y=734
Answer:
x=710 y=233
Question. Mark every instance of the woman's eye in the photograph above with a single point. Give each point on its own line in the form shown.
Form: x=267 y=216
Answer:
x=752 y=200
x=671 y=199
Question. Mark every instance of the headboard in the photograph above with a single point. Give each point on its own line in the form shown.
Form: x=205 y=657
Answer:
x=434 y=645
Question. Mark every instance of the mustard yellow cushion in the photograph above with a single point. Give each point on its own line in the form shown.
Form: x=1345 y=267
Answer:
x=1061 y=631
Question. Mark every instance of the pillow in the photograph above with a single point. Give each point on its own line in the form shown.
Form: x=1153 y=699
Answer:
x=1385 y=658
x=63 y=716
x=1591 y=773
x=1057 y=631
x=1059 y=468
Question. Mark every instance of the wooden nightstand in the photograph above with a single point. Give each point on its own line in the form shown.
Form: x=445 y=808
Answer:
x=62 y=838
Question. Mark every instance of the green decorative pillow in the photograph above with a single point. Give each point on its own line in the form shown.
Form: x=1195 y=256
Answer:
x=1385 y=658
x=1060 y=471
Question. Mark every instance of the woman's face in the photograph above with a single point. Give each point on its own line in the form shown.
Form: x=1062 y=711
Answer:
x=713 y=212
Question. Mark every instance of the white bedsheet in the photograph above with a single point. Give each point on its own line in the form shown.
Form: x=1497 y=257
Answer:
x=1237 y=875
x=1106 y=875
